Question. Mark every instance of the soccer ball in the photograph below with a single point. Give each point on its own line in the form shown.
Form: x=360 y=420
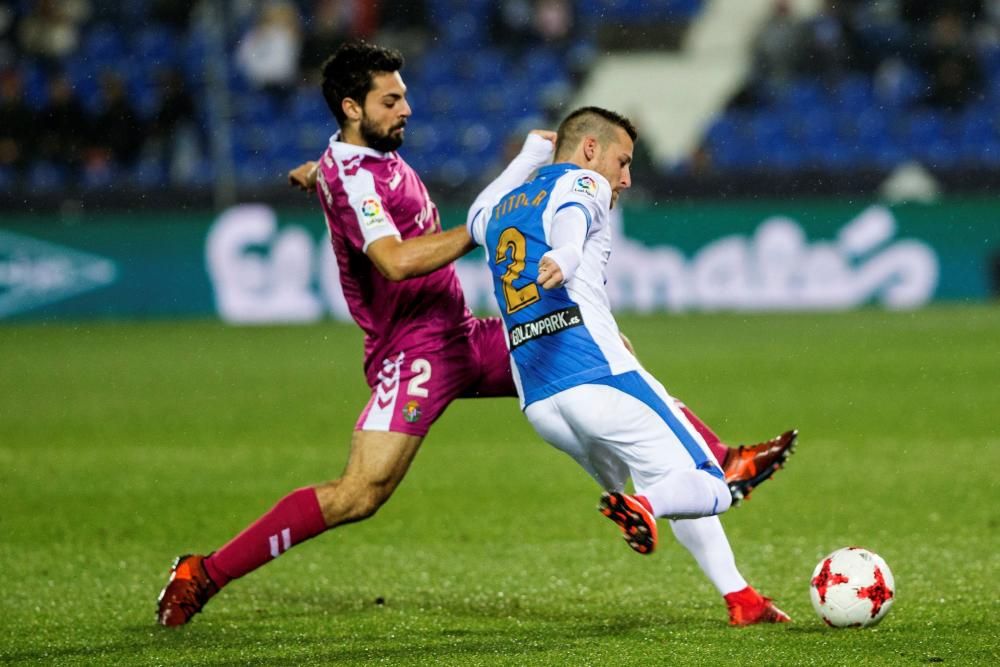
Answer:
x=852 y=588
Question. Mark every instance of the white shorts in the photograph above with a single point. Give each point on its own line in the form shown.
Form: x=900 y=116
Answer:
x=625 y=425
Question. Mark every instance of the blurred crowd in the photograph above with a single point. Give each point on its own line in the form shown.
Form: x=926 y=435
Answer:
x=95 y=93
x=938 y=42
x=104 y=137
x=85 y=98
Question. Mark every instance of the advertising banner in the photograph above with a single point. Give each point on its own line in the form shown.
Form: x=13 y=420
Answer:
x=253 y=264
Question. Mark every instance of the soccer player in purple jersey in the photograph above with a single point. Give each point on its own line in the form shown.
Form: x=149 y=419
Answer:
x=423 y=347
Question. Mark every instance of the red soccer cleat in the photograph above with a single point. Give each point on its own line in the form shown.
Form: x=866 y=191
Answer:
x=748 y=607
x=186 y=592
x=748 y=466
x=637 y=522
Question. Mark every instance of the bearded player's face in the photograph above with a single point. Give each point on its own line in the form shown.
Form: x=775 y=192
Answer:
x=385 y=112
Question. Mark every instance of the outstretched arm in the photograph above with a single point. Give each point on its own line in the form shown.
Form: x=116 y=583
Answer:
x=398 y=260
x=303 y=176
x=536 y=152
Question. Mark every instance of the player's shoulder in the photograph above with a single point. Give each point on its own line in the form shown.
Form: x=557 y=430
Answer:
x=361 y=172
x=582 y=183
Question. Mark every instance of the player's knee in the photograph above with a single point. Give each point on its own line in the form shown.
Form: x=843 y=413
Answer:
x=364 y=497
x=370 y=498
x=723 y=496
x=348 y=499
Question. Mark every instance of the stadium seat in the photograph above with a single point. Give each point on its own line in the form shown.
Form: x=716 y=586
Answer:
x=887 y=154
x=99 y=177
x=103 y=44
x=463 y=120
x=149 y=173
x=155 y=45
x=462 y=30
x=35 y=84
x=46 y=177
x=853 y=94
x=786 y=155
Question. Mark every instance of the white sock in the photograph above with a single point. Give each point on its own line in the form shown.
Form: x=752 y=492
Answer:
x=707 y=542
x=687 y=494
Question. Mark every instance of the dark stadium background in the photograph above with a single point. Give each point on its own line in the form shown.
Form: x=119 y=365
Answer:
x=824 y=254
x=160 y=108
x=118 y=118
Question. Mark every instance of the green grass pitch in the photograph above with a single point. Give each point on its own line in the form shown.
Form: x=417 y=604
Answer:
x=122 y=445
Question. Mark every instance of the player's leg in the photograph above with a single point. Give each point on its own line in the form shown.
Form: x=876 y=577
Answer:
x=719 y=450
x=409 y=392
x=377 y=463
x=632 y=416
x=487 y=352
x=547 y=419
x=665 y=480
x=637 y=523
x=747 y=466
x=375 y=466
x=612 y=432
x=706 y=540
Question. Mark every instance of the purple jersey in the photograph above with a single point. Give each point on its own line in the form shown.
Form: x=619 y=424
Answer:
x=366 y=195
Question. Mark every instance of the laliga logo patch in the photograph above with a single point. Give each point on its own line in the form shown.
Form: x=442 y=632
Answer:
x=371 y=209
x=587 y=185
x=411 y=412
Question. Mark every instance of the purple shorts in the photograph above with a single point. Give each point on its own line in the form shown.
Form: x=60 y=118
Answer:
x=418 y=381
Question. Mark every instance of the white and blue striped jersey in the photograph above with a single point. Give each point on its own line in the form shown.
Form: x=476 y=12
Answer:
x=566 y=336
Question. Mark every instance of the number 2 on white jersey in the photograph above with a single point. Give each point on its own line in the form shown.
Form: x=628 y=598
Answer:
x=517 y=298
x=416 y=386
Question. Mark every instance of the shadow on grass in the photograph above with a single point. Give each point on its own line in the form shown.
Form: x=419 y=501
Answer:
x=257 y=638
x=271 y=645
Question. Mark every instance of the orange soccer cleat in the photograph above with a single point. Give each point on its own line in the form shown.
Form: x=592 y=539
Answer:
x=637 y=522
x=186 y=592
x=746 y=467
x=748 y=607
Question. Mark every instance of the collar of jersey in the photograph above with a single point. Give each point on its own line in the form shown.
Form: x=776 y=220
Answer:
x=344 y=149
x=558 y=167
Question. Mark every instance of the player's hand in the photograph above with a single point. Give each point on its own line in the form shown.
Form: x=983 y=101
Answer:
x=550 y=275
x=546 y=134
x=303 y=177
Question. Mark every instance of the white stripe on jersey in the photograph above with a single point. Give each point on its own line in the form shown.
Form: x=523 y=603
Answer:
x=384 y=401
x=359 y=185
x=586 y=287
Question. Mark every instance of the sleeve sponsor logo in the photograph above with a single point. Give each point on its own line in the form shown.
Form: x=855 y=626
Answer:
x=371 y=212
x=586 y=185
x=553 y=323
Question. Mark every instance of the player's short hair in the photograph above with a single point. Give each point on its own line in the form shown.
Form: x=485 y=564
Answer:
x=350 y=70
x=593 y=121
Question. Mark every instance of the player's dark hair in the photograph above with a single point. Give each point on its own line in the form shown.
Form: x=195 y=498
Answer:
x=350 y=70
x=594 y=121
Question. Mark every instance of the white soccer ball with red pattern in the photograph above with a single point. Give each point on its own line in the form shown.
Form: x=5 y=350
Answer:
x=852 y=588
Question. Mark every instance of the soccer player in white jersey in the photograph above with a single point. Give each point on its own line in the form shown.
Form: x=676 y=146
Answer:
x=547 y=243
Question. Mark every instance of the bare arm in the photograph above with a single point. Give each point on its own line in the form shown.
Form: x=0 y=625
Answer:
x=537 y=151
x=303 y=177
x=398 y=260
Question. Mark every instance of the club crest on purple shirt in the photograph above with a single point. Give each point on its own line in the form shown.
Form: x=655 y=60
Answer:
x=411 y=412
